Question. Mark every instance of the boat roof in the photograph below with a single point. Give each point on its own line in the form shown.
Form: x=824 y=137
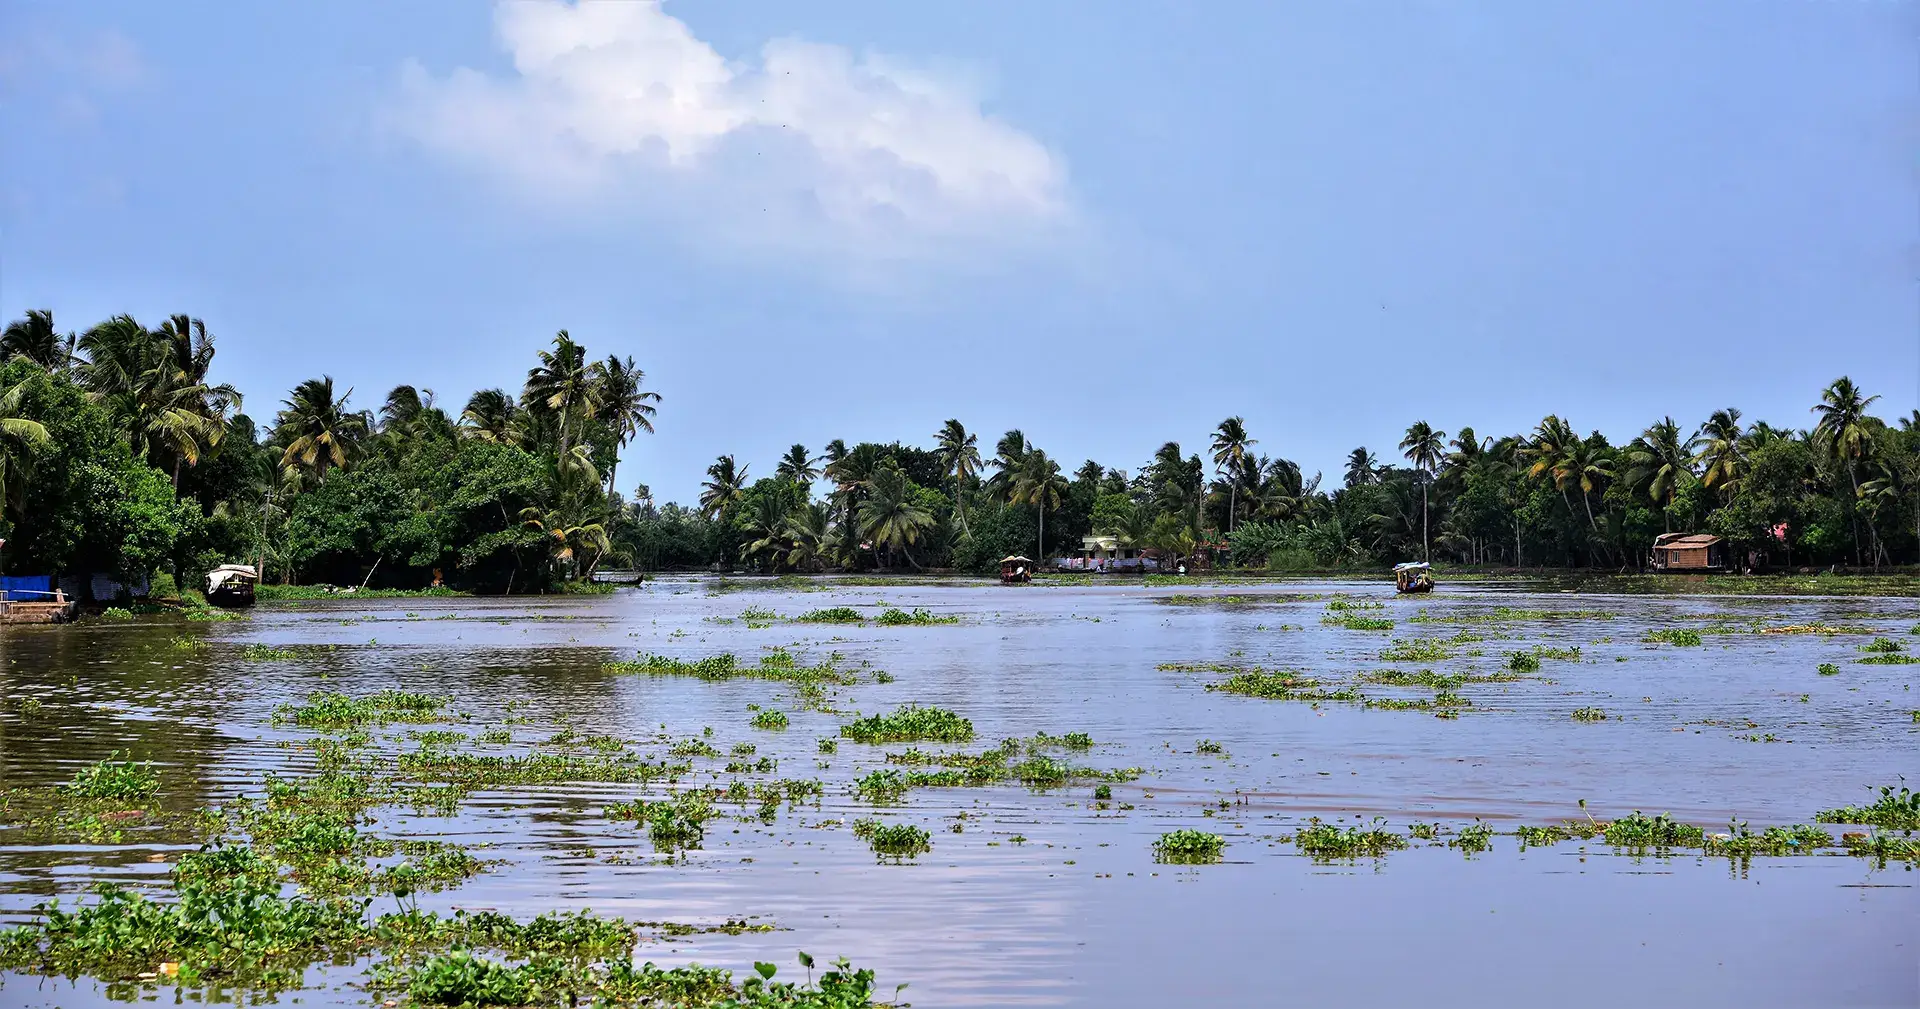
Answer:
x=1016 y=557
x=1410 y=565
x=245 y=569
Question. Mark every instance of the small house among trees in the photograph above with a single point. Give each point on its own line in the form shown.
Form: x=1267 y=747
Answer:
x=1689 y=552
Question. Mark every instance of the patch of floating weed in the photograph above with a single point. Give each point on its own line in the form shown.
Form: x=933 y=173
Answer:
x=1326 y=841
x=1883 y=645
x=1827 y=630
x=1589 y=715
x=1894 y=810
x=1890 y=659
x=891 y=617
x=831 y=615
x=1355 y=604
x=1682 y=636
x=896 y=841
x=770 y=719
x=1072 y=740
x=1649 y=832
x=1473 y=840
x=1358 y=623
x=1882 y=846
x=540 y=768
x=267 y=653
x=1507 y=614
x=693 y=748
x=460 y=978
x=908 y=724
x=777 y=664
x=1423 y=831
x=1827 y=669
x=1523 y=662
x=1418 y=650
x=1208 y=746
x=1741 y=843
x=113 y=779
x=1570 y=653
x=1189 y=847
x=339 y=711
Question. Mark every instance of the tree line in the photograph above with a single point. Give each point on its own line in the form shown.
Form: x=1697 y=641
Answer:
x=1845 y=490
x=120 y=453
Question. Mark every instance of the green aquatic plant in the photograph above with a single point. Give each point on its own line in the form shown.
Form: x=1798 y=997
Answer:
x=1741 y=843
x=897 y=841
x=1188 y=847
x=770 y=719
x=1827 y=669
x=1359 y=623
x=1883 y=646
x=474 y=770
x=891 y=617
x=339 y=711
x=777 y=664
x=1325 y=841
x=1882 y=846
x=1589 y=715
x=881 y=787
x=116 y=614
x=1208 y=746
x=1640 y=832
x=1103 y=793
x=1894 y=810
x=1423 y=831
x=908 y=724
x=1474 y=839
x=831 y=615
x=1418 y=650
x=1540 y=837
x=1891 y=659
x=1673 y=636
x=460 y=978
x=267 y=653
x=1281 y=686
x=113 y=779
x=1523 y=662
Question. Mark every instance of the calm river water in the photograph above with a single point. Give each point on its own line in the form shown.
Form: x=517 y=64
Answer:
x=1044 y=898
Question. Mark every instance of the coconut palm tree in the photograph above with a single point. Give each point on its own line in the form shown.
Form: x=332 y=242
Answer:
x=959 y=452
x=1361 y=467
x=1230 y=444
x=1423 y=447
x=34 y=339
x=1722 y=453
x=889 y=516
x=767 y=530
x=724 y=487
x=320 y=432
x=563 y=385
x=1844 y=431
x=1662 y=462
x=20 y=438
x=489 y=416
x=1038 y=482
x=797 y=467
x=626 y=408
x=810 y=531
x=1008 y=454
x=568 y=538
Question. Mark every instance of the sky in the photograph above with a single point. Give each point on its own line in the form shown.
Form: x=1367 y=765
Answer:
x=1109 y=225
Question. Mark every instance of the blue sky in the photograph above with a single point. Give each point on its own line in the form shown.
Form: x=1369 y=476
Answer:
x=1110 y=225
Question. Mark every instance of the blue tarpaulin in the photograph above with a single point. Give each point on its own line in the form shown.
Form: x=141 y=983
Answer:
x=26 y=588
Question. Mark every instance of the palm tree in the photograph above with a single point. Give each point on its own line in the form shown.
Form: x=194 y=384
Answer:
x=1008 y=454
x=320 y=432
x=626 y=408
x=35 y=339
x=1662 y=462
x=724 y=487
x=1588 y=467
x=1845 y=433
x=489 y=417
x=797 y=467
x=1360 y=467
x=155 y=381
x=959 y=452
x=1230 y=444
x=1038 y=482
x=889 y=516
x=1722 y=456
x=1422 y=447
x=810 y=531
x=20 y=438
x=767 y=530
x=563 y=384
x=567 y=538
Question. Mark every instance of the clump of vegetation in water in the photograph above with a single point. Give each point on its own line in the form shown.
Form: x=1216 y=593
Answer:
x=1282 y=686
x=1354 y=622
x=113 y=779
x=908 y=724
x=1423 y=831
x=828 y=745
x=1571 y=653
x=1589 y=715
x=1827 y=669
x=1883 y=646
x=339 y=711
x=1894 y=810
x=1523 y=662
x=1188 y=847
x=1473 y=840
x=540 y=768
x=1891 y=659
x=1640 y=832
x=1673 y=636
x=1072 y=740
x=1882 y=846
x=461 y=979
x=116 y=614
x=1324 y=840
x=1418 y=650
x=267 y=653
x=891 y=617
x=897 y=841
x=1103 y=793
x=1740 y=843
x=770 y=719
x=831 y=615
x=1208 y=746
x=775 y=665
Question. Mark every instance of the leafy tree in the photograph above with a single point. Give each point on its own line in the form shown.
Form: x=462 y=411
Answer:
x=34 y=339
x=1423 y=447
x=1230 y=444
x=890 y=516
x=317 y=430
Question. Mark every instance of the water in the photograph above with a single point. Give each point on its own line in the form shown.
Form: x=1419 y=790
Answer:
x=1044 y=898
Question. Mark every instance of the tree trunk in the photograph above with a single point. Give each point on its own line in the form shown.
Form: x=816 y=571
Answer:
x=1426 y=545
x=1042 y=509
x=1853 y=510
x=1233 y=497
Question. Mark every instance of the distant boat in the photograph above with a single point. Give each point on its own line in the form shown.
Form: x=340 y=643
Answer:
x=1414 y=577
x=231 y=585
x=1016 y=569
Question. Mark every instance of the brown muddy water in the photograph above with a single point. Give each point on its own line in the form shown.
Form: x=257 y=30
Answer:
x=1045 y=897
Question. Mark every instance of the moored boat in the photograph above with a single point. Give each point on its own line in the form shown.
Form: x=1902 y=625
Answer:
x=231 y=585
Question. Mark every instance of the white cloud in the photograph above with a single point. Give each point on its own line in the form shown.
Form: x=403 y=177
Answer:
x=807 y=146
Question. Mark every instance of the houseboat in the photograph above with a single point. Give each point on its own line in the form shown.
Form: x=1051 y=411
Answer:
x=231 y=585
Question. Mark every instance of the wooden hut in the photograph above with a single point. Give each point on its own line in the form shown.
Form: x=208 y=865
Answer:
x=1016 y=569
x=1689 y=552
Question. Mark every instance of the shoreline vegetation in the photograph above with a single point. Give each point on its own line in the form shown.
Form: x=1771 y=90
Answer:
x=121 y=454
